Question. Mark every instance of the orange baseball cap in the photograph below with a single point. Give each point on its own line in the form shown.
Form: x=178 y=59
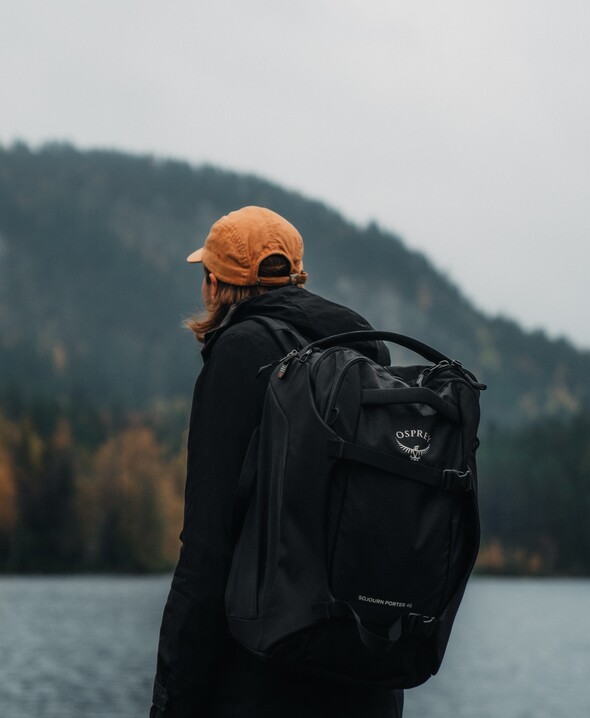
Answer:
x=240 y=240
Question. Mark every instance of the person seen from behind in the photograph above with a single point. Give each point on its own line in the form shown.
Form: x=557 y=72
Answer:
x=252 y=263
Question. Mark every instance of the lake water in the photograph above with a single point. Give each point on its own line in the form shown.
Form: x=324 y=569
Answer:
x=85 y=647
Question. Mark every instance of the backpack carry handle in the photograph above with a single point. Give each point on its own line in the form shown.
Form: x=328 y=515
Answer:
x=414 y=345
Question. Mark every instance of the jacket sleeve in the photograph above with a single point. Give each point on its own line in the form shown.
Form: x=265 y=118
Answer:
x=227 y=404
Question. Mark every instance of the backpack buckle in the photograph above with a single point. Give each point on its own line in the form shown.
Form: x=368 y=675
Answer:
x=418 y=624
x=455 y=480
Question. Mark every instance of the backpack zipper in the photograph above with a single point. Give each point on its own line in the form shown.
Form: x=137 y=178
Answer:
x=468 y=377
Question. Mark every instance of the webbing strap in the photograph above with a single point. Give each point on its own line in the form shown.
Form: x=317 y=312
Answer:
x=450 y=479
x=342 y=609
x=412 y=623
x=279 y=329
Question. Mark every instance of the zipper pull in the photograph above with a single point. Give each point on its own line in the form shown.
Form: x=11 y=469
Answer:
x=285 y=363
x=426 y=375
x=455 y=364
x=274 y=363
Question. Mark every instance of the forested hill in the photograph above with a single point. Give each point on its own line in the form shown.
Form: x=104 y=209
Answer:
x=94 y=284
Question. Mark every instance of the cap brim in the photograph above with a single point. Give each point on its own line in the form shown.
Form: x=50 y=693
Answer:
x=196 y=256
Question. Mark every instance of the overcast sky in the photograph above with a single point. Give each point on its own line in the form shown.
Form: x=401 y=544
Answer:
x=462 y=125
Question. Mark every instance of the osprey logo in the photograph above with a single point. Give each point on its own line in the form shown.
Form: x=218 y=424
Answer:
x=419 y=442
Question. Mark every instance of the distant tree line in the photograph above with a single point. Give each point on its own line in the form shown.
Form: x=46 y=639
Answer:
x=535 y=498
x=93 y=489
x=88 y=490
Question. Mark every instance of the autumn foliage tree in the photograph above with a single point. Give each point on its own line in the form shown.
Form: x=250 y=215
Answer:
x=71 y=503
x=8 y=507
x=132 y=503
x=82 y=489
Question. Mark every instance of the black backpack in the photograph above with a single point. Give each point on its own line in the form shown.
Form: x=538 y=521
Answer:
x=356 y=515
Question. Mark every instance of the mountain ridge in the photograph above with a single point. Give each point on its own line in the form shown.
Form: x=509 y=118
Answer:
x=93 y=288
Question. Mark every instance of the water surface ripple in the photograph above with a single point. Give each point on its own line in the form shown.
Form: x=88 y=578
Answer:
x=85 y=647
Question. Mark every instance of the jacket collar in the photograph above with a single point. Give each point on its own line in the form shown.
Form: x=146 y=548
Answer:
x=248 y=307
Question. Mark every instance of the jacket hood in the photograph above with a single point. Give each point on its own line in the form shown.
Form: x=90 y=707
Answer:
x=310 y=315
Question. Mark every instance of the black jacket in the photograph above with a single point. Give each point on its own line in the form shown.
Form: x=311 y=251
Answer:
x=201 y=670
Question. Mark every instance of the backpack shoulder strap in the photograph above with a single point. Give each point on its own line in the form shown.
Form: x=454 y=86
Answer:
x=286 y=337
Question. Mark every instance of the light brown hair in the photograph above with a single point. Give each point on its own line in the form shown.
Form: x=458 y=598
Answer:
x=229 y=294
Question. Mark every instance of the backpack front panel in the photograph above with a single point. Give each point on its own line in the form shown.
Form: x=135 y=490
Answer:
x=396 y=546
